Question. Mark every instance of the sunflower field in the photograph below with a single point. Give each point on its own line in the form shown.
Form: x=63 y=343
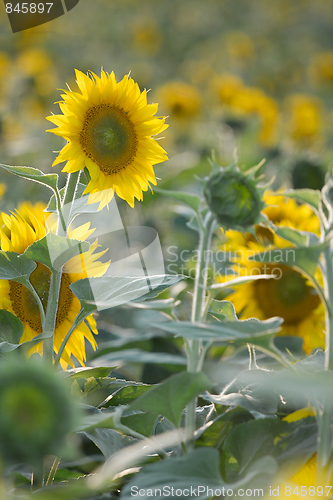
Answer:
x=166 y=249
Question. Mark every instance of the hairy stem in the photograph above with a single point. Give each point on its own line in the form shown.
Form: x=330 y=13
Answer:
x=194 y=347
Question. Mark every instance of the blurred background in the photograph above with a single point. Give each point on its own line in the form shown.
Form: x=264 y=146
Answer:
x=252 y=76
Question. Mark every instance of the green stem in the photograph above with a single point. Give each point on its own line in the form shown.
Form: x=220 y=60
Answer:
x=51 y=316
x=66 y=205
x=53 y=471
x=79 y=318
x=53 y=299
x=328 y=292
x=194 y=347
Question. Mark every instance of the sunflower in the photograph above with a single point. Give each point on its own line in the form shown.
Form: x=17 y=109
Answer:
x=306 y=476
x=17 y=232
x=290 y=296
x=109 y=128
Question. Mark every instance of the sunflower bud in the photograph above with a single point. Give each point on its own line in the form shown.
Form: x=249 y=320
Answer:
x=234 y=198
x=36 y=412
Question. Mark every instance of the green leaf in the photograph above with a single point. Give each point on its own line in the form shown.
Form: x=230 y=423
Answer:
x=128 y=394
x=54 y=251
x=304 y=258
x=102 y=419
x=196 y=468
x=11 y=327
x=253 y=398
x=196 y=473
x=143 y=423
x=13 y=266
x=25 y=346
x=224 y=309
x=300 y=238
x=109 y=441
x=225 y=331
x=159 y=305
x=309 y=196
x=33 y=174
x=190 y=200
x=171 y=396
x=254 y=439
x=104 y=293
x=87 y=371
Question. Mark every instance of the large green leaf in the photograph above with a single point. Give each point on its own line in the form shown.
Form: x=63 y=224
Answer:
x=142 y=422
x=171 y=396
x=33 y=174
x=11 y=328
x=112 y=291
x=54 y=251
x=254 y=439
x=309 y=196
x=194 y=474
x=224 y=331
x=109 y=441
x=299 y=238
x=303 y=258
x=14 y=266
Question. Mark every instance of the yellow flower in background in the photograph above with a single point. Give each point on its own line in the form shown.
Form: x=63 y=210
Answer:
x=239 y=46
x=305 y=117
x=180 y=100
x=109 y=128
x=244 y=101
x=147 y=36
x=306 y=476
x=227 y=86
x=321 y=68
x=17 y=232
x=33 y=62
x=290 y=295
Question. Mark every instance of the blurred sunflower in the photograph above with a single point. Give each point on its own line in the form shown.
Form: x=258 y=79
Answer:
x=306 y=476
x=180 y=100
x=305 y=117
x=290 y=295
x=17 y=232
x=109 y=128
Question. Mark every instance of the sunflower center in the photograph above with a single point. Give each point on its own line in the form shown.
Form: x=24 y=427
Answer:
x=24 y=303
x=108 y=138
x=289 y=296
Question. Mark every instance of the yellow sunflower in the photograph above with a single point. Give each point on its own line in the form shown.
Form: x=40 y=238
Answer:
x=109 y=128
x=306 y=476
x=290 y=296
x=17 y=232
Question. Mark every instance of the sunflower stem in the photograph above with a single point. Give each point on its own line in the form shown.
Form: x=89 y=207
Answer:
x=79 y=318
x=199 y=308
x=53 y=298
x=66 y=205
x=328 y=292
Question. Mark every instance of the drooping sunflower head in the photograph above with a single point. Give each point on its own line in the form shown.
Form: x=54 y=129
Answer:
x=17 y=232
x=109 y=128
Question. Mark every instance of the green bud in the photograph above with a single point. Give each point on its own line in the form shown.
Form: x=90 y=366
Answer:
x=234 y=198
x=36 y=411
